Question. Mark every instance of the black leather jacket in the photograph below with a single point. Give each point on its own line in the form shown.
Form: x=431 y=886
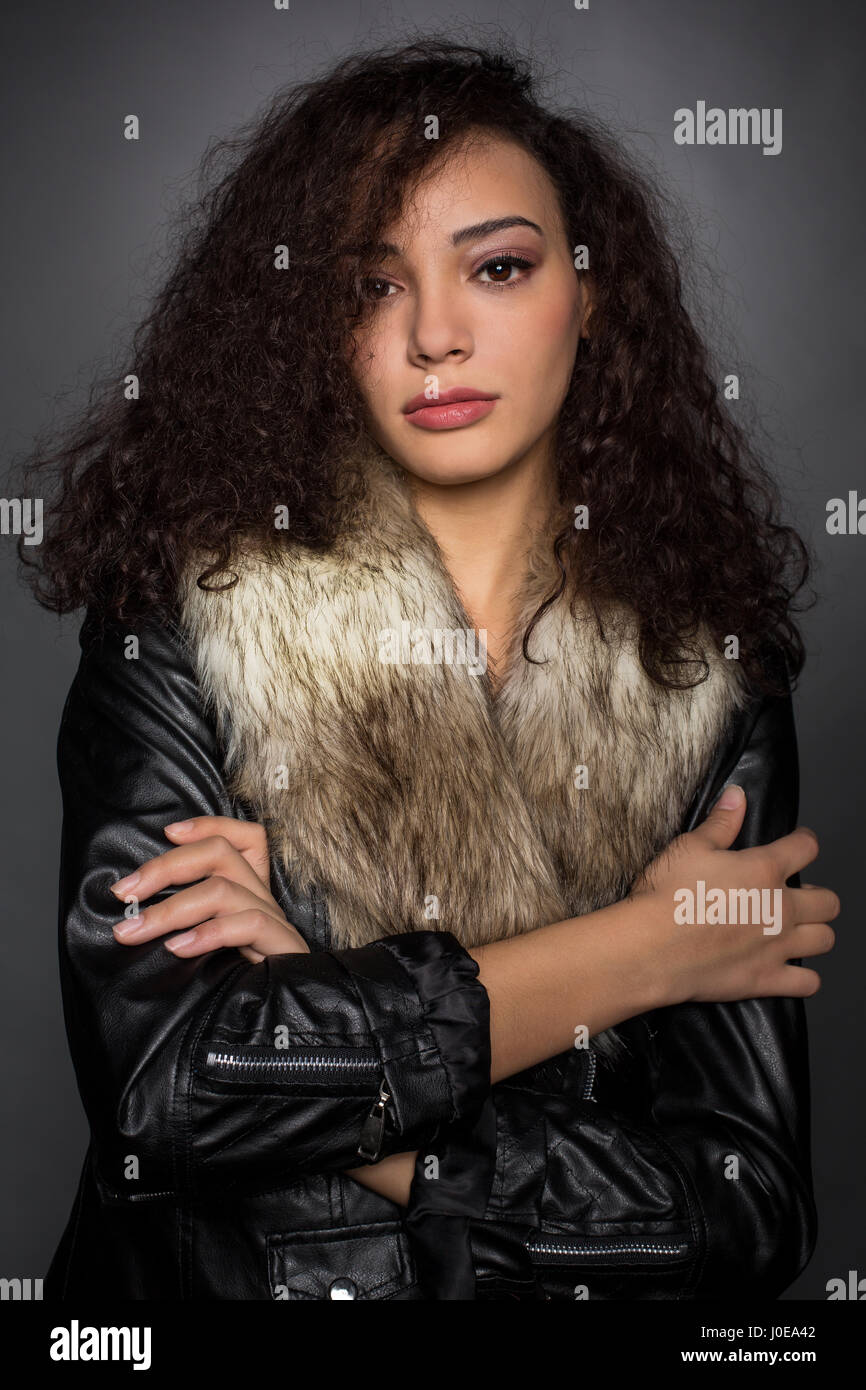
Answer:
x=215 y=1168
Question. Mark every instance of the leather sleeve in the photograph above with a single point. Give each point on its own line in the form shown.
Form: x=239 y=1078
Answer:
x=731 y=1081
x=209 y=1073
x=695 y=1180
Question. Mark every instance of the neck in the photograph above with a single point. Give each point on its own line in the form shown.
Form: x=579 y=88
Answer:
x=485 y=529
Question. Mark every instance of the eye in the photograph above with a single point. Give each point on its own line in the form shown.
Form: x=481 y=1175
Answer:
x=500 y=268
x=376 y=288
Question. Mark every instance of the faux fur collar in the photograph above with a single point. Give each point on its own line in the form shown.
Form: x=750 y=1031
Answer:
x=405 y=792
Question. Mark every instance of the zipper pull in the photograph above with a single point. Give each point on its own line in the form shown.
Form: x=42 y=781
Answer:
x=374 y=1128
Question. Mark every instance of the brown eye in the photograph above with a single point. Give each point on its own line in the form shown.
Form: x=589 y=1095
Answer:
x=374 y=287
x=499 y=269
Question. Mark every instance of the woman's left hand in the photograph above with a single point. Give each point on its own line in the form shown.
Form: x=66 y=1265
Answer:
x=231 y=906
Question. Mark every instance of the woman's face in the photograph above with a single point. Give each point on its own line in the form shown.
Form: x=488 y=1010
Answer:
x=460 y=303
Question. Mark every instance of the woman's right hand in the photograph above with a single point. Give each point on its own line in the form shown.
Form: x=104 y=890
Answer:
x=704 y=961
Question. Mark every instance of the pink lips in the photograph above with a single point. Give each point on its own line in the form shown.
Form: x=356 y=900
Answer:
x=460 y=405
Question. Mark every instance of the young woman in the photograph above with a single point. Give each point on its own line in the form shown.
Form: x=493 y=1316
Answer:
x=409 y=947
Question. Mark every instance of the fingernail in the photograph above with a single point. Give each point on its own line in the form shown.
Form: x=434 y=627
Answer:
x=731 y=797
x=121 y=885
x=178 y=825
x=185 y=939
x=130 y=926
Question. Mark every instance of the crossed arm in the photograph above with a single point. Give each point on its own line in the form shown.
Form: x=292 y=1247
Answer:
x=232 y=906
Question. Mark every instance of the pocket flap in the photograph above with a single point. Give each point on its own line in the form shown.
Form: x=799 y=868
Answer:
x=347 y=1262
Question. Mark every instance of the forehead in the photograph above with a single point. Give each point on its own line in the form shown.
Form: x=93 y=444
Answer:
x=485 y=179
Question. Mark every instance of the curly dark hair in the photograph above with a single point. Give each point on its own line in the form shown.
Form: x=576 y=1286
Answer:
x=247 y=398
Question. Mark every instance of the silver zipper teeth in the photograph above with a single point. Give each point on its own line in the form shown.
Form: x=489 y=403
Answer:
x=590 y=1080
x=640 y=1248
x=229 y=1059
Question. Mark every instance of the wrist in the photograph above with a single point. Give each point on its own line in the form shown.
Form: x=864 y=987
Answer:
x=647 y=980
x=652 y=980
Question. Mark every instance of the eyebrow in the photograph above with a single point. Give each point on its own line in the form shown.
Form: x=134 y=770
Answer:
x=475 y=232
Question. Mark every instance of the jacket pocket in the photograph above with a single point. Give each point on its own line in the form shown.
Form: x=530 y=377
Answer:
x=610 y=1267
x=275 y=1067
x=356 y=1262
x=606 y=1251
x=318 y=1068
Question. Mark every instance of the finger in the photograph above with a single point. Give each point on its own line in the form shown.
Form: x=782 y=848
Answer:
x=811 y=939
x=814 y=904
x=720 y=828
x=213 y=855
x=213 y=897
x=794 y=851
x=250 y=928
x=246 y=836
x=797 y=982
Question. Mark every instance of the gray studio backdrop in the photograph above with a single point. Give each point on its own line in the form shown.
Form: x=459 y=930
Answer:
x=85 y=220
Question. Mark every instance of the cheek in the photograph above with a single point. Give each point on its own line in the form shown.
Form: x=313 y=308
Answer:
x=556 y=331
x=543 y=346
x=371 y=372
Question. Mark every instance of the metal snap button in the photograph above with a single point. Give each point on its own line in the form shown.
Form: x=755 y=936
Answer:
x=343 y=1288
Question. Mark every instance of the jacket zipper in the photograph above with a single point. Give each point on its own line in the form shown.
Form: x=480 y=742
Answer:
x=373 y=1130
x=267 y=1063
x=590 y=1077
x=553 y=1249
x=240 y=1065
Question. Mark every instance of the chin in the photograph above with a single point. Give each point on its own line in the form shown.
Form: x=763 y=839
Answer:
x=448 y=460
x=450 y=472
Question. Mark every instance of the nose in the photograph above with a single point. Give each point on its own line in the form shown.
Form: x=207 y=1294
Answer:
x=438 y=329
